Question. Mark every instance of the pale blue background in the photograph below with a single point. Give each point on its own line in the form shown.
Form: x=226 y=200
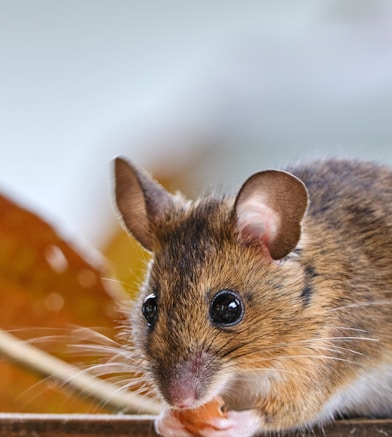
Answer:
x=256 y=84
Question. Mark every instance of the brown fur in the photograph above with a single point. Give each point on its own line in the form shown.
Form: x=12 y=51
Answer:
x=314 y=321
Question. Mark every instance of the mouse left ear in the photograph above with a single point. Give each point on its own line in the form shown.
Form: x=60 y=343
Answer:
x=140 y=200
x=269 y=209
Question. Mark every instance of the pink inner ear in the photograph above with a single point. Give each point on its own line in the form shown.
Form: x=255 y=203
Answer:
x=257 y=221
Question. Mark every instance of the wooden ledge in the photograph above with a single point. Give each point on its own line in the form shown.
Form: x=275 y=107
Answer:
x=76 y=425
x=90 y=425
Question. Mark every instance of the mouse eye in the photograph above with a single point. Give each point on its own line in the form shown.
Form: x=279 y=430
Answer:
x=150 y=309
x=226 y=308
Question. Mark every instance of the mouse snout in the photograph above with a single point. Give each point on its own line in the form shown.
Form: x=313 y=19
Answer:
x=188 y=381
x=182 y=395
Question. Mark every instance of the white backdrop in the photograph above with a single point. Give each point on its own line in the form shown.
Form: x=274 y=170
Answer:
x=263 y=82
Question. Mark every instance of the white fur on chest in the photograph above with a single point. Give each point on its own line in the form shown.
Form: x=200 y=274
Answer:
x=370 y=394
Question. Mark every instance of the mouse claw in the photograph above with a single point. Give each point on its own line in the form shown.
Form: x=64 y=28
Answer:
x=167 y=425
x=236 y=423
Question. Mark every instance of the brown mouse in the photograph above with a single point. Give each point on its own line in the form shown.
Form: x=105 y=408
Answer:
x=277 y=299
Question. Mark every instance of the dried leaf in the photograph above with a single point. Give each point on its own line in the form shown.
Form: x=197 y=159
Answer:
x=45 y=282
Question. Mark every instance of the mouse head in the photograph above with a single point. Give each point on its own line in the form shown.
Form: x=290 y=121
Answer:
x=215 y=263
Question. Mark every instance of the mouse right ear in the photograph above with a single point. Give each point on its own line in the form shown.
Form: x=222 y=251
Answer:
x=269 y=210
x=139 y=200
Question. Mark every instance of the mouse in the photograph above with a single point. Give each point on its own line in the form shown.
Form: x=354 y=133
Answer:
x=276 y=298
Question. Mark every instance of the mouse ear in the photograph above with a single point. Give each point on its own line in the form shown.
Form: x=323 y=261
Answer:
x=139 y=199
x=269 y=209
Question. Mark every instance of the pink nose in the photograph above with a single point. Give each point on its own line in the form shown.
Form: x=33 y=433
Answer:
x=182 y=395
x=187 y=381
x=185 y=403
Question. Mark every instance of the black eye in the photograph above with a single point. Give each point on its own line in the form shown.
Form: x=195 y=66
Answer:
x=226 y=308
x=150 y=309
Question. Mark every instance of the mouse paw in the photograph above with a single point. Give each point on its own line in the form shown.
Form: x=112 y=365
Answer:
x=167 y=425
x=236 y=423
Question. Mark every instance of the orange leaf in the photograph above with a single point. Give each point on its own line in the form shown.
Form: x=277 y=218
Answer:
x=45 y=283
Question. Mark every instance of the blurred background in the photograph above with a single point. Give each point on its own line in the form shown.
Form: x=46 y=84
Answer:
x=200 y=93
x=218 y=88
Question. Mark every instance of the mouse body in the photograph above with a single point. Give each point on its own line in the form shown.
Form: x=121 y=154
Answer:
x=277 y=299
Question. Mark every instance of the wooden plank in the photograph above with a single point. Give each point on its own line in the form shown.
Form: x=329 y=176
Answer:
x=88 y=425
x=357 y=428
x=75 y=425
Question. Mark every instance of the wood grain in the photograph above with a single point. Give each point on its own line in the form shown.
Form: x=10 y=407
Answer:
x=87 y=425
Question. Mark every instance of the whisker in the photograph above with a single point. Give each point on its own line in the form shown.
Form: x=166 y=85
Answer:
x=360 y=304
x=349 y=329
x=343 y=338
x=74 y=378
x=92 y=334
x=314 y=340
x=103 y=351
x=107 y=396
x=337 y=349
x=309 y=344
x=110 y=368
x=313 y=357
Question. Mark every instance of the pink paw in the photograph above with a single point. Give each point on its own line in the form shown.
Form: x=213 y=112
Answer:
x=167 y=425
x=236 y=423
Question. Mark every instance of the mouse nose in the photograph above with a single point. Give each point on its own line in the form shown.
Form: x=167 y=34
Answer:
x=182 y=395
x=185 y=403
x=184 y=383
